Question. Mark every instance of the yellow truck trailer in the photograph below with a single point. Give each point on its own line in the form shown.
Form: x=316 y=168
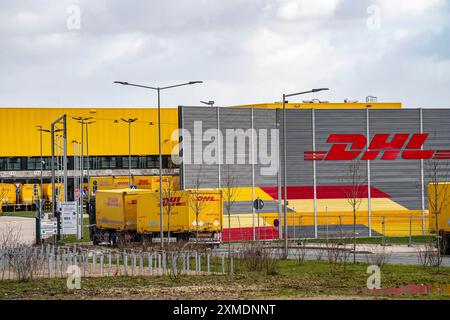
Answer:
x=184 y=214
x=48 y=191
x=115 y=214
x=133 y=214
x=439 y=213
x=27 y=194
x=8 y=193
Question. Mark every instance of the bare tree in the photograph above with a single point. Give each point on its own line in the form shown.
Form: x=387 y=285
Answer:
x=355 y=180
x=168 y=194
x=230 y=194
x=196 y=202
x=438 y=200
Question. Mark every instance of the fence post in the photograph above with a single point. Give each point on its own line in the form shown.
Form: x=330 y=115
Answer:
x=150 y=262
x=133 y=268
x=383 y=230
x=207 y=263
x=94 y=262
x=173 y=265
x=109 y=264
x=231 y=263
x=188 y=262
x=125 y=263
x=101 y=265
x=58 y=266
x=410 y=230
x=159 y=263
x=85 y=263
x=164 y=262
x=196 y=262
x=141 y=264
x=223 y=263
x=118 y=264
x=50 y=266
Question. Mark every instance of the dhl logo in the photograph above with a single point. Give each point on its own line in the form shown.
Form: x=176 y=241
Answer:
x=351 y=146
x=206 y=198
x=112 y=202
x=174 y=202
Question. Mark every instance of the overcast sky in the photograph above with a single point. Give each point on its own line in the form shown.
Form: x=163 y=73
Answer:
x=68 y=53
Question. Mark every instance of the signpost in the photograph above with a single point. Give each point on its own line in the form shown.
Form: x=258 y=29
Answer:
x=48 y=227
x=69 y=218
x=258 y=204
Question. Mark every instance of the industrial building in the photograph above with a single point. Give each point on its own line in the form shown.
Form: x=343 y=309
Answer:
x=392 y=145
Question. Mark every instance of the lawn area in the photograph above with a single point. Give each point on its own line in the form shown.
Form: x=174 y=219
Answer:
x=26 y=214
x=311 y=279
x=73 y=238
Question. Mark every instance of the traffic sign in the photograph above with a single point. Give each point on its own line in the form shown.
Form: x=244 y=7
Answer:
x=276 y=223
x=48 y=227
x=69 y=217
x=258 y=204
x=77 y=194
x=133 y=186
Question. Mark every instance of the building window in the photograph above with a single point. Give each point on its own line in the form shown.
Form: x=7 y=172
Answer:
x=33 y=163
x=107 y=162
x=150 y=162
x=134 y=162
x=12 y=164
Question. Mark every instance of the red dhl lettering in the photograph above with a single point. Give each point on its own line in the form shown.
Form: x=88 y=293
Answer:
x=352 y=146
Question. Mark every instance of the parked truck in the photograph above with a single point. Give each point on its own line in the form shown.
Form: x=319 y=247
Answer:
x=188 y=215
x=115 y=215
x=439 y=212
x=133 y=215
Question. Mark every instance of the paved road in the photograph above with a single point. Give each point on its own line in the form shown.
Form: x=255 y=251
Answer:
x=395 y=254
x=17 y=229
x=408 y=258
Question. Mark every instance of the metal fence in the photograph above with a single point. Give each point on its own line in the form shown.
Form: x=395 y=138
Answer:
x=326 y=225
x=27 y=262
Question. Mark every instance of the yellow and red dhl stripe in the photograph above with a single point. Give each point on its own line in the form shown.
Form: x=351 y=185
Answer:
x=325 y=192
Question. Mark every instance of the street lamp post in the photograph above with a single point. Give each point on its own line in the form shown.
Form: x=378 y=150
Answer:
x=159 y=89
x=286 y=245
x=83 y=121
x=208 y=103
x=38 y=219
x=129 y=121
x=88 y=163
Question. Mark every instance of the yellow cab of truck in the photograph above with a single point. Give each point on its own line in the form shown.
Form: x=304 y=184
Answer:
x=439 y=202
x=182 y=219
x=116 y=209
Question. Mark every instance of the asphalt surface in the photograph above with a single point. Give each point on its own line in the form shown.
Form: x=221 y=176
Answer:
x=17 y=229
x=406 y=258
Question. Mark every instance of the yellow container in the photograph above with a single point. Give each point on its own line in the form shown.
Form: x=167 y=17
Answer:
x=172 y=181
x=121 y=182
x=27 y=193
x=182 y=212
x=48 y=191
x=116 y=209
x=439 y=200
x=143 y=182
x=8 y=193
